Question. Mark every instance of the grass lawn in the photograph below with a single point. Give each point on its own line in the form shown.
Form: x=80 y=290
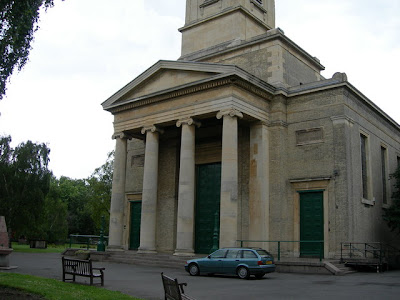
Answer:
x=50 y=248
x=57 y=290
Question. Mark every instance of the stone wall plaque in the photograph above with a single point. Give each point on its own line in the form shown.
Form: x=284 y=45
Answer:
x=309 y=136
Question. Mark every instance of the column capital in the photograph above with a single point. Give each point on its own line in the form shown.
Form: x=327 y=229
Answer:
x=231 y=112
x=120 y=135
x=189 y=121
x=152 y=128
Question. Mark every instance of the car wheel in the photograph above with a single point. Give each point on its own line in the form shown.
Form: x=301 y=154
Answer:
x=194 y=270
x=259 y=276
x=243 y=273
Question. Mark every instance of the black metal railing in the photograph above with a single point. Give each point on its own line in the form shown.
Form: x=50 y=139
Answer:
x=372 y=252
x=319 y=252
x=88 y=240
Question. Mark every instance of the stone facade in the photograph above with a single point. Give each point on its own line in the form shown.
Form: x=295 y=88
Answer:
x=255 y=105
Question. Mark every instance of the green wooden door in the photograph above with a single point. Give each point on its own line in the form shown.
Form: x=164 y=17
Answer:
x=136 y=213
x=208 y=192
x=311 y=222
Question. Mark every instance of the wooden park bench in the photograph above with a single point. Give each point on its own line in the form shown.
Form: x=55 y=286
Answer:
x=174 y=290
x=78 y=267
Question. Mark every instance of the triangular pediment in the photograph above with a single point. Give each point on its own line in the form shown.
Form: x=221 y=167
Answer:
x=165 y=76
x=165 y=79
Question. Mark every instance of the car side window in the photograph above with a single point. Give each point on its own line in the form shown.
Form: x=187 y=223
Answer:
x=233 y=254
x=218 y=254
x=249 y=254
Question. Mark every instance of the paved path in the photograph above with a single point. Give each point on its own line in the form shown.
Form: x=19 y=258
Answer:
x=145 y=282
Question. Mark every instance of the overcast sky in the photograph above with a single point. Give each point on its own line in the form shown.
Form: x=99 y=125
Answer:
x=86 y=50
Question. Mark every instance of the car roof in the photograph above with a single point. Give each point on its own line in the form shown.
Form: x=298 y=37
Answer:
x=241 y=248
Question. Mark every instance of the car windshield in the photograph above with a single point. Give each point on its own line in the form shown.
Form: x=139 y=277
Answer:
x=263 y=253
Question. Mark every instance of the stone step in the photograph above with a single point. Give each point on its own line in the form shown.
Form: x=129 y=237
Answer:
x=161 y=260
x=343 y=269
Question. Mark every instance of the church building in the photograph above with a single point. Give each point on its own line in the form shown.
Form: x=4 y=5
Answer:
x=243 y=141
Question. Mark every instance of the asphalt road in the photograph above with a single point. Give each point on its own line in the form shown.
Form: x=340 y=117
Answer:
x=145 y=282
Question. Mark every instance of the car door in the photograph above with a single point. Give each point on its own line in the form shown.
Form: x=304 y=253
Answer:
x=231 y=261
x=214 y=262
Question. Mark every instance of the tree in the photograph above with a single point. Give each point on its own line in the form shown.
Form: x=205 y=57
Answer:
x=54 y=216
x=75 y=193
x=392 y=214
x=18 y=23
x=24 y=183
x=100 y=184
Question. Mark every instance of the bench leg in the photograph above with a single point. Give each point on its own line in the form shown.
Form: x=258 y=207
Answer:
x=73 y=278
x=102 y=280
x=91 y=280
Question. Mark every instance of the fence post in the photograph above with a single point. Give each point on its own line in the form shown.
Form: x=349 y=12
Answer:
x=279 y=250
x=320 y=251
x=351 y=250
x=365 y=250
x=341 y=253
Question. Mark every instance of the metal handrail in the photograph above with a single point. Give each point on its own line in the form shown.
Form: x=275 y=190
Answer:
x=379 y=250
x=87 y=237
x=321 y=245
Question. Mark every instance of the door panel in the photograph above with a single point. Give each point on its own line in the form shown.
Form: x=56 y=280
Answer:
x=208 y=190
x=311 y=222
x=136 y=213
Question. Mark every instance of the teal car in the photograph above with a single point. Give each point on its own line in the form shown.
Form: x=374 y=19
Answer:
x=242 y=262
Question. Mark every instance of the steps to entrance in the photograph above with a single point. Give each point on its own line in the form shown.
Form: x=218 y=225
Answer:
x=132 y=257
x=338 y=268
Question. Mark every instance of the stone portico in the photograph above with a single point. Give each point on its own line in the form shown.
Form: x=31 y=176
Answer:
x=216 y=100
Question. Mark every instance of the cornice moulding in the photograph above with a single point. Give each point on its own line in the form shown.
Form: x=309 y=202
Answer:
x=271 y=35
x=222 y=13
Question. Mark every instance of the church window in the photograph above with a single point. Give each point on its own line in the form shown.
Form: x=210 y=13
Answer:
x=364 y=165
x=384 y=175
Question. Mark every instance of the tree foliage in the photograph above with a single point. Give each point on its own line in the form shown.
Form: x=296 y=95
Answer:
x=18 y=23
x=24 y=184
x=392 y=214
x=74 y=192
x=54 y=215
x=100 y=184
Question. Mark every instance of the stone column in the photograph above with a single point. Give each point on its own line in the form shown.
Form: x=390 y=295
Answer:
x=229 y=178
x=149 y=193
x=118 y=192
x=186 y=196
x=259 y=185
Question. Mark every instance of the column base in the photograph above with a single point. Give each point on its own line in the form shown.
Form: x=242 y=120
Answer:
x=184 y=252
x=146 y=251
x=115 y=248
